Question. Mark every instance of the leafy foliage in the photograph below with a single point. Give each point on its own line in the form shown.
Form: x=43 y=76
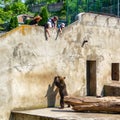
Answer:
x=70 y=8
x=13 y=23
x=29 y=2
x=44 y=15
x=27 y=22
x=18 y=8
x=5 y=15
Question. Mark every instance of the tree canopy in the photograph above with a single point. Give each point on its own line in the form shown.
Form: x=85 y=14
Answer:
x=12 y=8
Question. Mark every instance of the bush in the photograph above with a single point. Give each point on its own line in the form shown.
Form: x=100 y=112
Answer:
x=27 y=22
x=13 y=23
x=1 y=25
x=44 y=15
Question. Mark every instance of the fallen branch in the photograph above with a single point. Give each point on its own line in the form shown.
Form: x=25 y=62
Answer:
x=93 y=104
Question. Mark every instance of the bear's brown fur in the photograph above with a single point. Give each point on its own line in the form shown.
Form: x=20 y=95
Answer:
x=60 y=83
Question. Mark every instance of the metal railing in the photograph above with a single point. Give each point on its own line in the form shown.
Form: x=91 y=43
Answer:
x=108 y=7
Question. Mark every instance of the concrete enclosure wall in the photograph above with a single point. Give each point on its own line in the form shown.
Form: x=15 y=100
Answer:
x=29 y=63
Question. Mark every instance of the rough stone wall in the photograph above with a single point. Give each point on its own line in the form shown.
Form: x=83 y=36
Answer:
x=29 y=63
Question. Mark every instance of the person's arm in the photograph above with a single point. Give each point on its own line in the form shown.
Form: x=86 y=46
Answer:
x=60 y=30
x=54 y=23
x=47 y=31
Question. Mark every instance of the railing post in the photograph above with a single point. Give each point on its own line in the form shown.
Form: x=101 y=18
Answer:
x=118 y=8
x=67 y=12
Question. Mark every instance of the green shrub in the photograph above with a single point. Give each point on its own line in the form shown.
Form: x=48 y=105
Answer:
x=13 y=23
x=27 y=22
x=44 y=15
x=1 y=28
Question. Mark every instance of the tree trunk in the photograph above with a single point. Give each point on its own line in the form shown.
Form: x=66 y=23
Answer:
x=93 y=104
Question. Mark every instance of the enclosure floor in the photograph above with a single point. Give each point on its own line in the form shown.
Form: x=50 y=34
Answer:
x=66 y=114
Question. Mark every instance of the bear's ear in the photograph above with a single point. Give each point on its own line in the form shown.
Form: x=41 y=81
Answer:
x=56 y=76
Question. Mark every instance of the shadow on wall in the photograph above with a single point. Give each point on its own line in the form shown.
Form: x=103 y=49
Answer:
x=51 y=95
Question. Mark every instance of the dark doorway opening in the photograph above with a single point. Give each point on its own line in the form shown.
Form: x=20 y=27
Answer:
x=91 y=78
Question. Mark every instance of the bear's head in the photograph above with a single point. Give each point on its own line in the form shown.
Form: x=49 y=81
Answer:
x=58 y=79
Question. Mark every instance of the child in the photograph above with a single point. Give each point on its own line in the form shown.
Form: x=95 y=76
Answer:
x=61 y=26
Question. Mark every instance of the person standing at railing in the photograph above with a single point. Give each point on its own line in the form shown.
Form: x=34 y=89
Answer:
x=52 y=23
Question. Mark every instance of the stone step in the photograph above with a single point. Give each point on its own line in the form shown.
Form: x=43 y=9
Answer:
x=21 y=116
x=60 y=114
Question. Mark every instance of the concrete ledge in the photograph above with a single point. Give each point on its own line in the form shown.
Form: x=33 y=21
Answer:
x=19 y=116
x=99 y=20
x=60 y=114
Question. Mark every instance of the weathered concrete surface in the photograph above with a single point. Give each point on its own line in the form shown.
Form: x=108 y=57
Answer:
x=60 y=114
x=29 y=63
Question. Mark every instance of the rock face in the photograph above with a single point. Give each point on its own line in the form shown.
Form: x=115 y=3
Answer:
x=29 y=62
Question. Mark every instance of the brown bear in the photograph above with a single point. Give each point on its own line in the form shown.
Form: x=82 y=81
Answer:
x=60 y=83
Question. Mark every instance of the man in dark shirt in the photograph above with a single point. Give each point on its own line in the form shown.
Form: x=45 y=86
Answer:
x=35 y=20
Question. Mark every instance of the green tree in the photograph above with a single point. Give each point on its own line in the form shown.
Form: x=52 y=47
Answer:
x=5 y=1
x=18 y=8
x=13 y=23
x=16 y=0
x=44 y=15
x=53 y=1
x=30 y=2
x=72 y=10
x=5 y=15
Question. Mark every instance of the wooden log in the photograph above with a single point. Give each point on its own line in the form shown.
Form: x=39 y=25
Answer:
x=99 y=107
x=93 y=104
